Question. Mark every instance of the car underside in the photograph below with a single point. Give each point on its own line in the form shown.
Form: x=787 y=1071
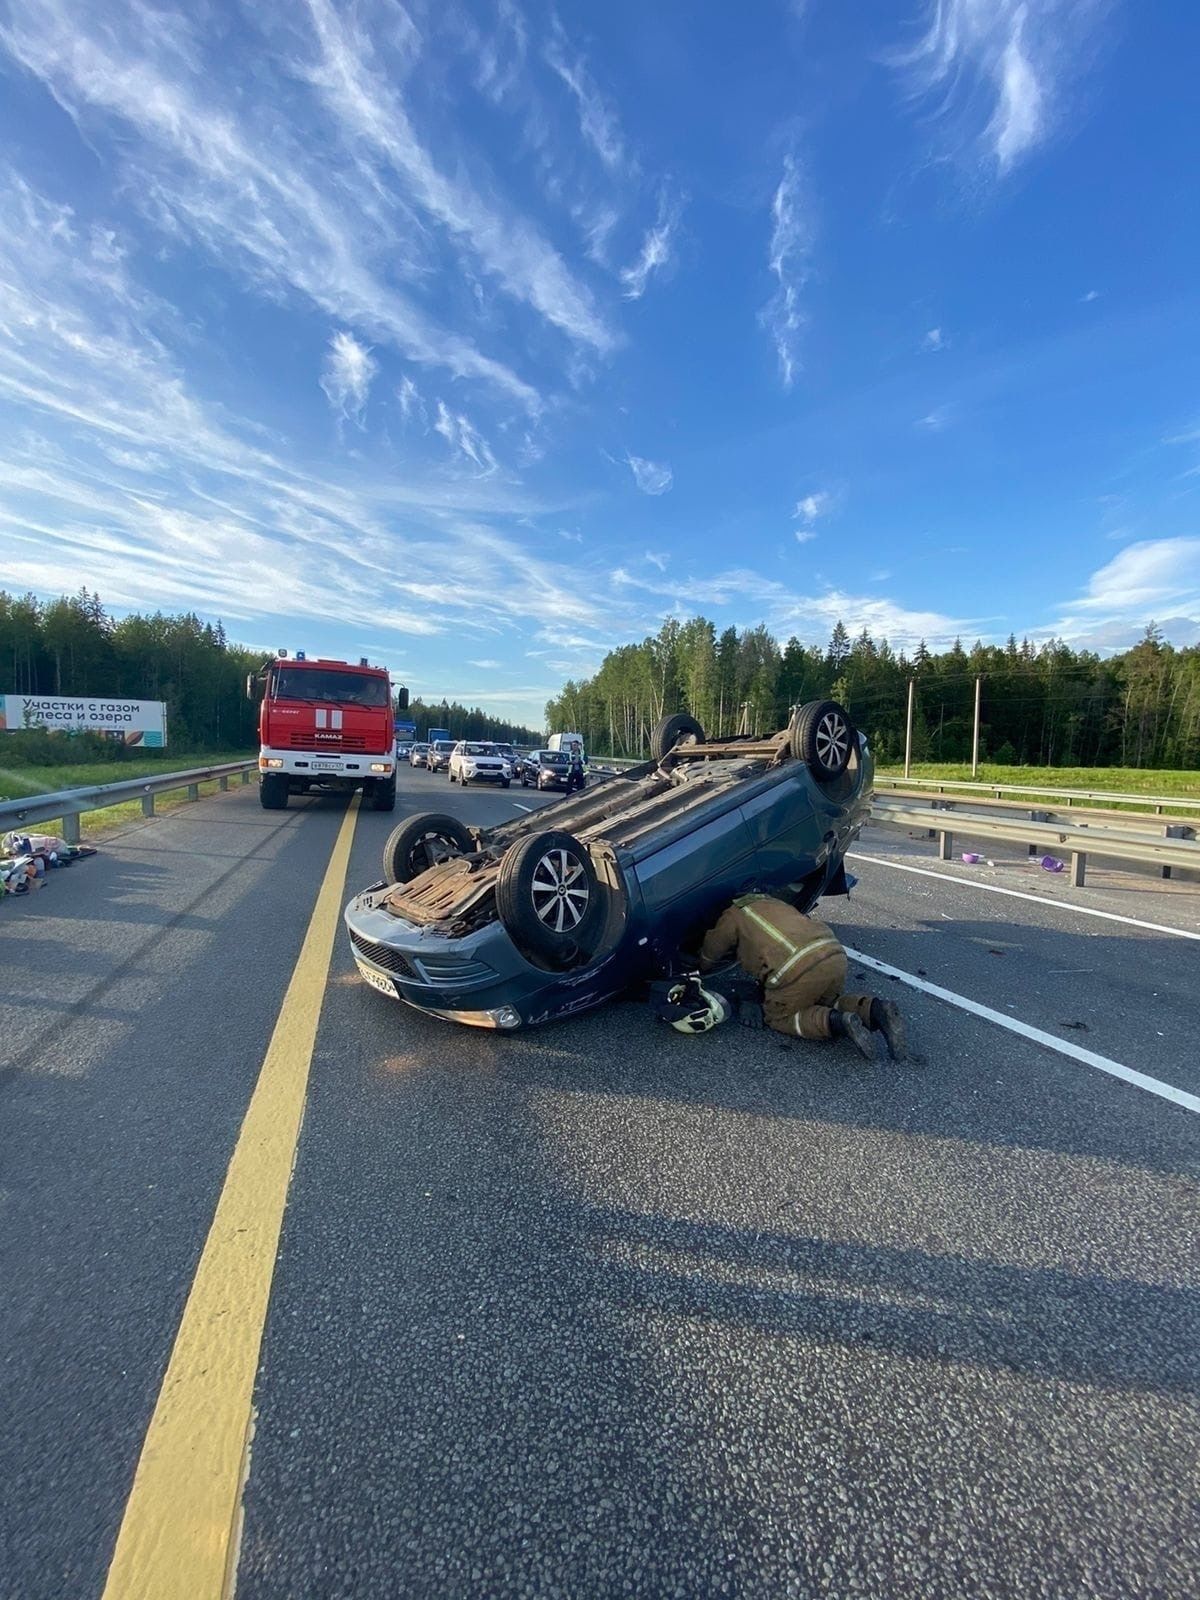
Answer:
x=556 y=910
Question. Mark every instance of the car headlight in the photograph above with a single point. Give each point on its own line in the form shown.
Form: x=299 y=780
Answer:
x=268 y=761
x=381 y=766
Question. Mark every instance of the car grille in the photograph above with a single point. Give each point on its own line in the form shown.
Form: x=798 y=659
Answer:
x=452 y=971
x=382 y=955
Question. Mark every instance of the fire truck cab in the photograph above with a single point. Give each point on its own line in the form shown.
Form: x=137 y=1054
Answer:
x=325 y=724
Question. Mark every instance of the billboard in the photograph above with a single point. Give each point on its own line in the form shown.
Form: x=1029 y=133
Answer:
x=140 y=722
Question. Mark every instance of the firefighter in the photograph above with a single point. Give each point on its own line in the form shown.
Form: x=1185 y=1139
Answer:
x=801 y=966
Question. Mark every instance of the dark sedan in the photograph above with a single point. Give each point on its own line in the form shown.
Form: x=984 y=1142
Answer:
x=546 y=769
x=543 y=917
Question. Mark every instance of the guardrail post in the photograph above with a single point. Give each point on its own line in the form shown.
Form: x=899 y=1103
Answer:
x=1175 y=831
x=147 y=805
x=223 y=783
x=946 y=846
x=193 y=790
x=1038 y=816
x=70 y=828
x=245 y=775
x=1078 y=868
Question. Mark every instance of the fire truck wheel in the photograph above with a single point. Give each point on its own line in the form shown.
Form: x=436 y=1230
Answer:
x=383 y=796
x=273 y=791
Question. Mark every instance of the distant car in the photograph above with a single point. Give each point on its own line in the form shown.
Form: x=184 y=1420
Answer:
x=544 y=916
x=477 y=761
x=546 y=769
x=403 y=749
x=439 y=755
x=508 y=753
x=418 y=756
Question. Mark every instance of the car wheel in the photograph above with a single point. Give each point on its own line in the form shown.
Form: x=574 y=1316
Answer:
x=674 y=731
x=822 y=736
x=504 y=782
x=549 y=898
x=421 y=842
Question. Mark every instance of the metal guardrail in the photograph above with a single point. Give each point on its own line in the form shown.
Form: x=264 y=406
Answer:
x=1081 y=839
x=68 y=805
x=1159 y=803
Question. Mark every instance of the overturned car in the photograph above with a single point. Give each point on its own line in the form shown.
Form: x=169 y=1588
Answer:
x=540 y=918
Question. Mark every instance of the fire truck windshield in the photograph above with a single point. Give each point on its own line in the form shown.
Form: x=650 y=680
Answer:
x=338 y=688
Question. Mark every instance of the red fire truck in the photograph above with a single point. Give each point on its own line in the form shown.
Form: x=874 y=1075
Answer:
x=325 y=724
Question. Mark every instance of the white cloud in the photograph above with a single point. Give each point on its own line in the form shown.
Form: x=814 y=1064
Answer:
x=1152 y=580
x=1087 y=299
x=655 y=254
x=229 y=172
x=651 y=477
x=570 y=536
x=656 y=558
x=935 y=421
x=511 y=249
x=812 y=506
x=805 y=535
x=597 y=121
x=1000 y=63
x=412 y=407
x=346 y=380
x=935 y=339
x=486 y=666
x=462 y=436
x=788 y=259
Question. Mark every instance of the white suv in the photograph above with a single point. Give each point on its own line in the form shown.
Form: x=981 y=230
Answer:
x=472 y=762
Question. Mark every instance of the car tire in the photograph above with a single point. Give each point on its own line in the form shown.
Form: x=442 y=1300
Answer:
x=823 y=737
x=420 y=842
x=504 y=782
x=273 y=792
x=549 y=898
x=672 y=731
x=383 y=796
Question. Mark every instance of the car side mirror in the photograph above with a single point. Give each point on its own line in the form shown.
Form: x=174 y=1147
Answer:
x=254 y=687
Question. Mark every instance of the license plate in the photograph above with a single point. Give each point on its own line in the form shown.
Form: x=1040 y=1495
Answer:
x=325 y=766
x=378 y=981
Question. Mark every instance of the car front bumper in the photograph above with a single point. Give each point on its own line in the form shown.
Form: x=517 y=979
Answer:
x=480 y=979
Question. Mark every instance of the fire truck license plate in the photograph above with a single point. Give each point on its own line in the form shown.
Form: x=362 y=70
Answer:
x=384 y=985
x=325 y=766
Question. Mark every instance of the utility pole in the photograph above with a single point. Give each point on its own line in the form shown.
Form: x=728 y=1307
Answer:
x=912 y=684
x=975 y=740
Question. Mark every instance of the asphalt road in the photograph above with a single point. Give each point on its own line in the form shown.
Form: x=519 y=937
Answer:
x=601 y=1310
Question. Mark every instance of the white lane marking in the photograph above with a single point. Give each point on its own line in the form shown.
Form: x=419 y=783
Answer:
x=520 y=807
x=1064 y=1047
x=1020 y=894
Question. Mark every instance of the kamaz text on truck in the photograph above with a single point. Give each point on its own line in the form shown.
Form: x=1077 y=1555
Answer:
x=325 y=724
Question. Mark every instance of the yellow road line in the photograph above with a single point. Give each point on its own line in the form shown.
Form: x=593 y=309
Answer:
x=176 y=1540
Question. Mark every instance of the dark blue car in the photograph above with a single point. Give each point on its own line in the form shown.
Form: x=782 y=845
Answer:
x=543 y=917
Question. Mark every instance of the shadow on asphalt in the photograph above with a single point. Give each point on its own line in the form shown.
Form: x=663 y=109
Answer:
x=1047 y=1323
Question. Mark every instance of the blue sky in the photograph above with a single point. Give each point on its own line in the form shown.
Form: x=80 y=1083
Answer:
x=481 y=337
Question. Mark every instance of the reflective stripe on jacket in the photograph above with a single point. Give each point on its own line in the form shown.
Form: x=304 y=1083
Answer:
x=770 y=940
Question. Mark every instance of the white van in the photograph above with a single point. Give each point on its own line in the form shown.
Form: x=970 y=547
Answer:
x=566 y=742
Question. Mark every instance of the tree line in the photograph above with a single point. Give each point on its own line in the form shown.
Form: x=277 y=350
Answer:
x=73 y=646
x=1043 y=705
x=466 y=722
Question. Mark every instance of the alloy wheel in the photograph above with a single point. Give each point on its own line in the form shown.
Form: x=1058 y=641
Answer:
x=560 y=891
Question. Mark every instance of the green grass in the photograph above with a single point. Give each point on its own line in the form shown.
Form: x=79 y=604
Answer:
x=17 y=783
x=1110 y=780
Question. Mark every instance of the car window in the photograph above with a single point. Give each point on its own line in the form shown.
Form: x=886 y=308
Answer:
x=480 y=750
x=554 y=758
